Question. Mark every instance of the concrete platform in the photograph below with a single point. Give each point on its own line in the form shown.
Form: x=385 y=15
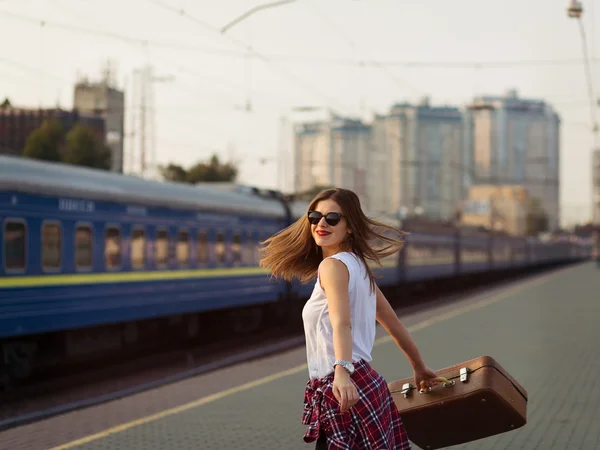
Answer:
x=544 y=330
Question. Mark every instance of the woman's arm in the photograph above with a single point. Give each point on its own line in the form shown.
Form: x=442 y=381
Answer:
x=333 y=275
x=334 y=278
x=389 y=320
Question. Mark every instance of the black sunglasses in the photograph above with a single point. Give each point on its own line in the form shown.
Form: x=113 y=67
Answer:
x=332 y=218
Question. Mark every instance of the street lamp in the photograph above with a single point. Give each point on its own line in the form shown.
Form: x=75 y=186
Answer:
x=575 y=9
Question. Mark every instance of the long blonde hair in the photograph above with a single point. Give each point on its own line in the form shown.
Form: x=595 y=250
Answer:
x=293 y=253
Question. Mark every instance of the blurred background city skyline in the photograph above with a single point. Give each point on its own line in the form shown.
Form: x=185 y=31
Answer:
x=184 y=87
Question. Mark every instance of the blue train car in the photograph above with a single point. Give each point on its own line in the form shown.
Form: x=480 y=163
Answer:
x=83 y=248
x=99 y=259
x=502 y=252
x=475 y=252
x=429 y=256
x=300 y=291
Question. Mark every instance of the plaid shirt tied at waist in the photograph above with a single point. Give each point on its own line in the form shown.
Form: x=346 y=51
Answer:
x=373 y=423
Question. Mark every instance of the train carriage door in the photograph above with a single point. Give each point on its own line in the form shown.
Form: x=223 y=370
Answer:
x=247 y=250
x=172 y=247
x=126 y=236
x=202 y=251
x=236 y=249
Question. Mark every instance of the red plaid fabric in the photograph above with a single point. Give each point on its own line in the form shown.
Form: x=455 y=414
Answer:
x=373 y=423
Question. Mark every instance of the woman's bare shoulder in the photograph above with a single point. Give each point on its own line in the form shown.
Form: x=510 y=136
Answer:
x=333 y=270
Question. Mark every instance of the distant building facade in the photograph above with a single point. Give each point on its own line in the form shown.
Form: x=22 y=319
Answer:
x=333 y=153
x=497 y=207
x=106 y=102
x=17 y=123
x=426 y=158
x=516 y=142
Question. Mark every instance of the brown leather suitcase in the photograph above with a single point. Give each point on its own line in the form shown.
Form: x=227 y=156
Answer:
x=474 y=400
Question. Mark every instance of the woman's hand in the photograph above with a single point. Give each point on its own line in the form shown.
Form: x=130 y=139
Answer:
x=425 y=374
x=344 y=389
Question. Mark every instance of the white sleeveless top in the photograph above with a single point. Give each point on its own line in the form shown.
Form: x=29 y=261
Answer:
x=317 y=326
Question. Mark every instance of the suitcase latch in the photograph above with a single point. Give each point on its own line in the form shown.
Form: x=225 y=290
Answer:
x=464 y=374
x=406 y=390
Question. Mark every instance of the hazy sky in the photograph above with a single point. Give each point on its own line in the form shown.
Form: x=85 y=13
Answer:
x=307 y=54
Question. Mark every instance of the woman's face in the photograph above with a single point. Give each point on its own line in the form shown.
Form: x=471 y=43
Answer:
x=327 y=236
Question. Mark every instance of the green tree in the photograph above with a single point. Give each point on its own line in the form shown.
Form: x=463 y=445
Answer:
x=213 y=171
x=55 y=132
x=173 y=172
x=201 y=172
x=83 y=148
x=44 y=143
x=5 y=104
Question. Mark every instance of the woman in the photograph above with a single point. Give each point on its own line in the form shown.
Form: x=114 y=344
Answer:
x=347 y=404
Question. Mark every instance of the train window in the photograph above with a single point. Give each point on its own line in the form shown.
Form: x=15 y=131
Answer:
x=138 y=248
x=236 y=249
x=83 y=247
x=112 y=248
x=183 y=248
x=162 y=248
x=51 y=246
x=202 y=247
x=220 y=248
x=247 y=250
x=14 y=245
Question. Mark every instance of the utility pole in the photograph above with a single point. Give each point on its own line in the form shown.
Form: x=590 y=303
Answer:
x=144 y=80
x=575 y=11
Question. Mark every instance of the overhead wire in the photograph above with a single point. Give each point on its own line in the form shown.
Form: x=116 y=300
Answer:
x=301 y=59
x=249 y=53
x=142 y=43
x=290 y=58
x=362 y=62
x=122 y=37
x=248 y=48
x=136 y=43
x=26 y=68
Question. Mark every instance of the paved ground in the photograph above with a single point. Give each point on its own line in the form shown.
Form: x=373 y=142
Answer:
x=543 y=330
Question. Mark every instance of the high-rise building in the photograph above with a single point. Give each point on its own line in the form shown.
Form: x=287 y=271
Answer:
x=426 y=158
x=102 y=99
x=516 y=142
x=333 y=153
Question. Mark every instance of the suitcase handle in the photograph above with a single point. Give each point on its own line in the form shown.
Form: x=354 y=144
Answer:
x=445 y=382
